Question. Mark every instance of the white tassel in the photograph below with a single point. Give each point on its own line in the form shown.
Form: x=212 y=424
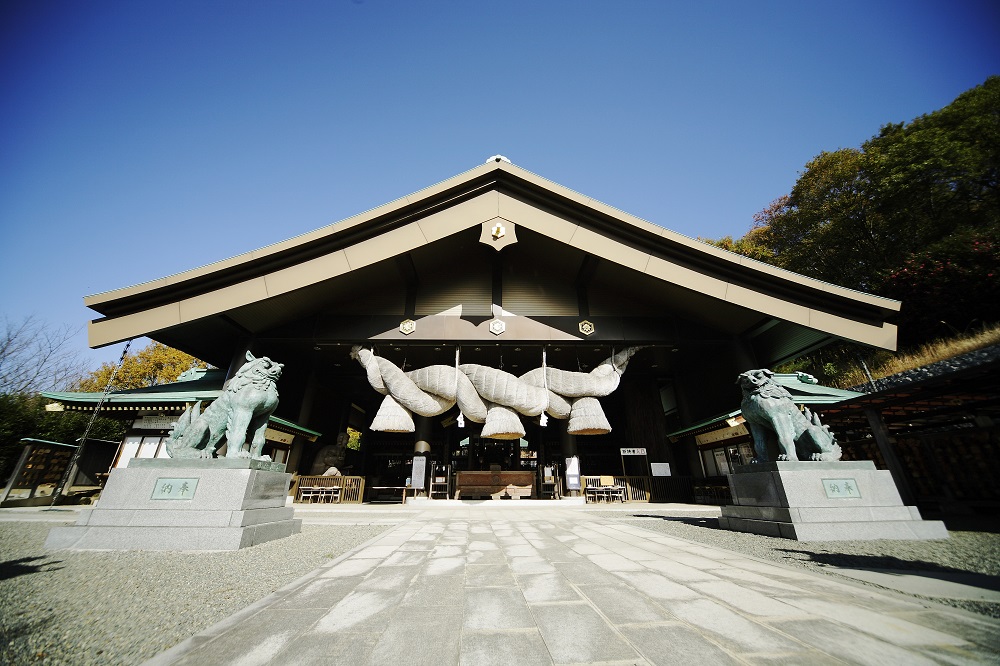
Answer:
x=544 y=418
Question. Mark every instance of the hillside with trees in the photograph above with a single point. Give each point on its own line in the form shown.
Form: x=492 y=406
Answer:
x=913 y=214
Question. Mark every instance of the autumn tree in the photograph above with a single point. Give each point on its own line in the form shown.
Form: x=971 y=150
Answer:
x=911 y=215
x=153 y=365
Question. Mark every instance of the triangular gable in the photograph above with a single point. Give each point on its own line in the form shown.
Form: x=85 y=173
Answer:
x=493 y=193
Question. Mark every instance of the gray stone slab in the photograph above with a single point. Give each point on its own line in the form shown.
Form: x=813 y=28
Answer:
x=576 y=633
x=851 y=646
x=167 y=538
x=655 y=585
x=319 y=593
x=523 y=647
x=217 y=489
x=745 y=600
x=353 y=566
x=885 y=627
x=392 y=579
x=621 y=605
x=429 y=592
x=343 y=647
x=361 y=611
x=546 y=587
x=908 y=530
x=979 y=630
x=496 y=608
x=206 y=463
x=672 y=644
x=729 y=628
x=420 y=639
x=489 y=575
x=976 y=587
x=256 y=639
x=584 y=572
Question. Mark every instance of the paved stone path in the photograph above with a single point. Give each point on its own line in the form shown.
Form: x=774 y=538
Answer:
x=507 y=585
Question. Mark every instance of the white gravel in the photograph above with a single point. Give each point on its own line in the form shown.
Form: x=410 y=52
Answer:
x=90 y=607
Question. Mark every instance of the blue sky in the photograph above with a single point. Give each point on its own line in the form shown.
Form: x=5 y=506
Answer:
x=140 y=139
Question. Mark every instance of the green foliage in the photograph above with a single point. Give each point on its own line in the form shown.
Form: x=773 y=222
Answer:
x=947 y=288
x=913 y=214
x=153 y=365
x=23 y=415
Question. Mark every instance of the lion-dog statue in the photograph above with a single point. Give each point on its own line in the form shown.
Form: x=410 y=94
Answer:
x=773 y=419
x=244 y=407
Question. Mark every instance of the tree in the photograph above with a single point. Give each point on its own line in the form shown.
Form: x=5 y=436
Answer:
x=153 y=365
x=754 y=244
x=35 y=356
x=24 y=415
x=885 y=217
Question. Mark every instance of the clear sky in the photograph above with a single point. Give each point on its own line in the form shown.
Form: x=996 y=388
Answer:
x=142 y=138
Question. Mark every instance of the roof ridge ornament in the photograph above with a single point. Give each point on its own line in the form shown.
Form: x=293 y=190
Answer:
x=498 y=158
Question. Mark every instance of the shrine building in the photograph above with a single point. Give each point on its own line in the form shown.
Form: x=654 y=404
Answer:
x=501 y=269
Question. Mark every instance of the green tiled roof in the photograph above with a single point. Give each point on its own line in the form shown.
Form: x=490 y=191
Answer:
x=197 y=384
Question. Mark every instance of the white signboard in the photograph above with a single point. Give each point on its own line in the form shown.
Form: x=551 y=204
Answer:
x=633 y=452
x=660 y=469
x=155 y=422
x=573 y=473
x=419 y=472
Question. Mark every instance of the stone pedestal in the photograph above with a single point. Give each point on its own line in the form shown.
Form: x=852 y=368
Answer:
x=177 y=504
x=822 y=501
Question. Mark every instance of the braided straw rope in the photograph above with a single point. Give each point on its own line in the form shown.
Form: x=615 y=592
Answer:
x=491 y=396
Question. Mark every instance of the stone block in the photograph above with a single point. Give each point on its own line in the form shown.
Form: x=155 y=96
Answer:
x=230 y=506
x=822 y=501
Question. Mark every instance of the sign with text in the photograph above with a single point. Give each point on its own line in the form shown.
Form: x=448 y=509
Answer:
x=174 y=489
x=155 y=422
x=660 y=469
x=841 y=489
x=573 y=473
x=633 y=452
x=418 y=473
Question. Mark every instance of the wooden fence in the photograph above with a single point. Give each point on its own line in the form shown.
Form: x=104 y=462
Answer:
x=647 y=488
x=330 y=489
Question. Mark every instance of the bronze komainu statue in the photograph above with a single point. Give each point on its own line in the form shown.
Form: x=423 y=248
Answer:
x=773 y=418
x=243 y=409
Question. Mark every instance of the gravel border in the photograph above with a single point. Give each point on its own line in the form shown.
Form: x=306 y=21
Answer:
x=84 y=607
x=973 y=547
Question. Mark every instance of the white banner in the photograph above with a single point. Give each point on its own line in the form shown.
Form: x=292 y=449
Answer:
x=633 y=452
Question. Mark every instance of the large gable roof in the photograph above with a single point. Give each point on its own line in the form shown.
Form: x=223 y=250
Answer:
x=493 y=192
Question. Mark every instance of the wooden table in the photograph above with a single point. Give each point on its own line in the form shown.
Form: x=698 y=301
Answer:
x=373 y=492
x=494 y=484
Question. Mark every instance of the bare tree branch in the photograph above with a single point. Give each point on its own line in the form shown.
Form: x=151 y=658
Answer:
x=35 y=356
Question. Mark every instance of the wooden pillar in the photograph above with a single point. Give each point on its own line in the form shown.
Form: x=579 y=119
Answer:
x=647 y=427
x=881 y=432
